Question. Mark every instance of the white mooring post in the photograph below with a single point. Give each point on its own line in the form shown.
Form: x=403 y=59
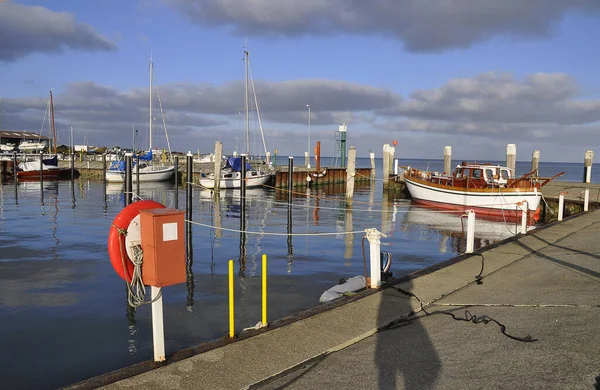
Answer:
x=586 y=199
x=470 y=231
x=396 y=166
x=448 y=160
x=561 y=206
x=511 y=158
x=374 y=237
x=158 y=328
x=587 y=166
x=524 y=206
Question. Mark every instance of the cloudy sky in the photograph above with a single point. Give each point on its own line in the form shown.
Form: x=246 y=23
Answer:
x=472 y=75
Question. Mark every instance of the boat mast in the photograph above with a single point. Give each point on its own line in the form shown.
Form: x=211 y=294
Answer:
x=52 y=117
x=151 y=71
x=246 y=108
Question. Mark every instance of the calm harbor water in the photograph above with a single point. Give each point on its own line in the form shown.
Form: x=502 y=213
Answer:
x=63 y=310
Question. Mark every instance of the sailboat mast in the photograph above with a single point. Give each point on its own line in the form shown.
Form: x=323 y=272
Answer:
x=151 y=71
x=246 y=106
x=52 y=117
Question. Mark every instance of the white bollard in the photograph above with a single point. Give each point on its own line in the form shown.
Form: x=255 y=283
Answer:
x=524 y=206
x=158 y=330
x=374 y=237
x=396 y=166
x=586 y=199
x=470 y=231
x=561 y=206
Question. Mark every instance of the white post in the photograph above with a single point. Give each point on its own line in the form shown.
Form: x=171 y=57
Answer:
x=395 y=166
x=306 y=160
x=158 y=332
x=374 y=237
x=586 y=199
x=448 y=160
x=470 y=231
x=587 y=166
x=268 y=156
x=372 y=157
x=386 y=164
x=511 y=158
x=524 y=206
x=561 y=206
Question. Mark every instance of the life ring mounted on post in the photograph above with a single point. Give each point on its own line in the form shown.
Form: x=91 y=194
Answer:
x=124 y=234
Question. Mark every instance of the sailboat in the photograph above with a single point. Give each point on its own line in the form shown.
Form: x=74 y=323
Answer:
x=149 y=172
x=47 y=167
x=231 y=175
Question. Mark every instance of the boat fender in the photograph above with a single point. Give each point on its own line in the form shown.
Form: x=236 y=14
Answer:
x=126 y=223
x=348 y=286
x=386 y=264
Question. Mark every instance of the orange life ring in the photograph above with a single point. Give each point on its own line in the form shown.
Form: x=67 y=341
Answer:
x=116 y=241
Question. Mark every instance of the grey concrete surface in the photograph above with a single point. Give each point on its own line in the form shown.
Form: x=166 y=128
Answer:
x=545 y=284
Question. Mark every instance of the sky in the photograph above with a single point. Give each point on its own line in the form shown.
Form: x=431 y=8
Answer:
x=475 y=76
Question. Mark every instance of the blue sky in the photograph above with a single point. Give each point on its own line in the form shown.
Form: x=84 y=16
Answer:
x=475 y=77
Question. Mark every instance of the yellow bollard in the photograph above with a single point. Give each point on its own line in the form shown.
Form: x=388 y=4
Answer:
x=231 y=303
x=264 y=290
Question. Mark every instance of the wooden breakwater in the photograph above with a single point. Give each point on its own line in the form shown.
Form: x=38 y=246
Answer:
x=323 y=177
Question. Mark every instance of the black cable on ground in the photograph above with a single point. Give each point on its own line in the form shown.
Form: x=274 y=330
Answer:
x=467 y=318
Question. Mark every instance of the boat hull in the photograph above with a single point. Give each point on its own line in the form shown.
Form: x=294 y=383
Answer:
x=58 y=173
x=255 y=180
x=499 y=204
x=155 y=174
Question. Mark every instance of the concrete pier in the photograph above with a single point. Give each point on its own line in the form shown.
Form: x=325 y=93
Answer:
x=543 y=285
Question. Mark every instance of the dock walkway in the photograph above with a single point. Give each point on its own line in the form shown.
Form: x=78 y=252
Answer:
x=545 y=284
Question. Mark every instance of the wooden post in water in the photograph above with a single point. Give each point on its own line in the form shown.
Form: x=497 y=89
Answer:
x=318 y=156
x=448 y=160
x=306 y=160
x=176 y=189
x=188 y=188
x=137 y=176
x=392 y=152
x=41 y=167
x=386 y=165
x=535 y=162
x=372 y=157
x=103 y=169
x=218 y=156
x=511 y=158
x=128 y=186
x=290 y=178
x=587 y=166
x=15 y=166
x=350 y=172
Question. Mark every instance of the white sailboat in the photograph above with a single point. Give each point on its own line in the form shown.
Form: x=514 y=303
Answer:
x=148 y=171
x=231 y=174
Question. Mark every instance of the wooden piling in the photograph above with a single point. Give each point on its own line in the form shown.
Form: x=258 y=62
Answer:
x=217 y=171
x=448 y=160
x=372 y=157
x=386 y=164
x=511 y=158
x=587 y=166
x=350 y=172
x=535 y=162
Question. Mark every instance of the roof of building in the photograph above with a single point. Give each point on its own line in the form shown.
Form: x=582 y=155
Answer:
x=21 y=134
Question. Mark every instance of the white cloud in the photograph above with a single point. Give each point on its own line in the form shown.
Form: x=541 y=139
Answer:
x=34 y=29
x=423 y=26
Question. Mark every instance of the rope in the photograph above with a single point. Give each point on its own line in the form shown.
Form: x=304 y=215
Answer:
x=273 y=234
x=136 y=291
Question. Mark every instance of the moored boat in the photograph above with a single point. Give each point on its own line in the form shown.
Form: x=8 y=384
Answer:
x=490 y=190
x=231 y=176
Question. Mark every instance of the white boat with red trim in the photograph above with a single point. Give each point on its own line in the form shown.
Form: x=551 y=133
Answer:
x=490 y=190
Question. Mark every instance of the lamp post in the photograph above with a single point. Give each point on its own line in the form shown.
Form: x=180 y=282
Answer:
x=308 y=165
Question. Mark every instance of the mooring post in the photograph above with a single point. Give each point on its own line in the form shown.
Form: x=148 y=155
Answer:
x=73 y=167
x=306 y=160
x=561 y=205
x=386 y=164
x=374 y=237
x=137 y=176
x=470 y=231
x=268 y=158
x=290 y=178
x=535 y=162
x=511 y=158
x=15 y=166
x=176 y=189
x=231 y=301
x=128 y=185
x=373 y=171
x=158 y=327
x=188 y=188
x=217 y=170
x=318 y=156
x=103 y=170
x=41 y=167
x=524 y=207
x=392 y=152
x=350 y=173
x=243 y=183
x=587 y=166
x=586 y=199
x=448 y=160
x=395 y=167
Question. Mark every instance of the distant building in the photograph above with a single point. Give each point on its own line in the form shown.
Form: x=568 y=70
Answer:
x=14 y=138
x=81 y=148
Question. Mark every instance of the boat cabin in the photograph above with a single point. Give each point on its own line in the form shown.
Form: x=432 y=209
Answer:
x=475 y=176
